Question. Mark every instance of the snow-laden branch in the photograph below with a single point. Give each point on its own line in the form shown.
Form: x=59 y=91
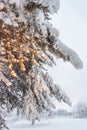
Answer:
x=72 y=55
x=52 y=5
x=60 y=50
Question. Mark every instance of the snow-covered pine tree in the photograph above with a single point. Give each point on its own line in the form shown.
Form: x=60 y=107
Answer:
x=28 y=41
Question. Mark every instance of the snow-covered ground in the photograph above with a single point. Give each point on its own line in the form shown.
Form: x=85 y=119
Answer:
x=49 y=124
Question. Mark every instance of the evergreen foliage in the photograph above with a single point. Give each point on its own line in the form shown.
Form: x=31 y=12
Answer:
x=28 y=41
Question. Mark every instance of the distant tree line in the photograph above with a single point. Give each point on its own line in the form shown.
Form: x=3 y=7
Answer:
x=79 y=111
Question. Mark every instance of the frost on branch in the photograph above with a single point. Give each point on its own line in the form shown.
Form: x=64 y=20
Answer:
x=2 y=121
x=28 y=41
x=51 y=5
x=41 y=91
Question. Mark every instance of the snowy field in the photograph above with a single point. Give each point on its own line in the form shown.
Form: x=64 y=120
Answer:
x=49 y=124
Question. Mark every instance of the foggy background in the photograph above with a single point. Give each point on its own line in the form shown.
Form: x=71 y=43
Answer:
x=71 y=21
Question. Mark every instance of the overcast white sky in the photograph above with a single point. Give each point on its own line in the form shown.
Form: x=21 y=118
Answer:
x=71 y=21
